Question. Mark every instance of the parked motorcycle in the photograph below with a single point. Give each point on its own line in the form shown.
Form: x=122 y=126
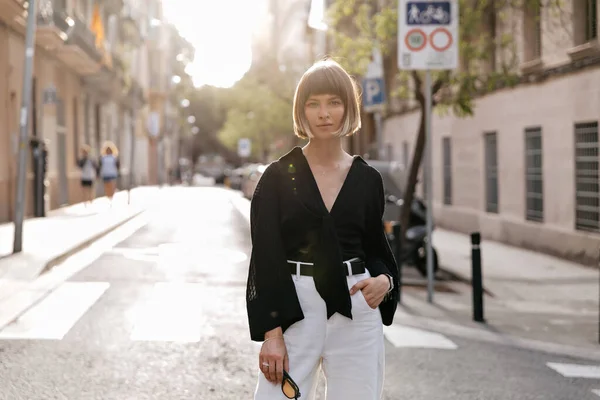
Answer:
x=414 y=246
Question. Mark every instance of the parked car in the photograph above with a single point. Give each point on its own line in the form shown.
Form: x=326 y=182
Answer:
x=413 y=245
x=251 y=179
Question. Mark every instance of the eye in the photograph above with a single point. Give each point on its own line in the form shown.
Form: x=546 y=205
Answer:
x=336 y=102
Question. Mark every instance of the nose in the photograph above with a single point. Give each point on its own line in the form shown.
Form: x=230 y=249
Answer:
x=323 y=113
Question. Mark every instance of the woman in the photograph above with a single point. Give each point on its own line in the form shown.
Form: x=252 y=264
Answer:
x=109 y=168
x=322 y=277
x=88 y=174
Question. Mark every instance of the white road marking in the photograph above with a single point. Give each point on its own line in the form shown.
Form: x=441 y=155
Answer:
x=172 y=314
x=54 y=316
x=403 y=336
x=576 y=370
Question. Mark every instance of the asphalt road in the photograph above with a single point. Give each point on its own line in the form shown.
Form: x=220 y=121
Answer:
x=162 y=316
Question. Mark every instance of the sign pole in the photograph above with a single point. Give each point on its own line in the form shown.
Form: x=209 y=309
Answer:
x=24 y=118
x=428 y=186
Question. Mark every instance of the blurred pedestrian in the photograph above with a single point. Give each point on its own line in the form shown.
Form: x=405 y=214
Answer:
x=88 y=168
x=322 y=279
x=109 y=168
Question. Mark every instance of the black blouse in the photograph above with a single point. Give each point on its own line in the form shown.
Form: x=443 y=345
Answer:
x=289 y=221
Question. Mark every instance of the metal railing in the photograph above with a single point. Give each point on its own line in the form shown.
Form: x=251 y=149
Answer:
x=587 y=179
x=534 y=184
x=491 y=172
x=53 y=13
x=84 y=38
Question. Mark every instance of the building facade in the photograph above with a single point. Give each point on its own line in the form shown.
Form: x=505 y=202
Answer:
x=524 y=169
x=92 y=82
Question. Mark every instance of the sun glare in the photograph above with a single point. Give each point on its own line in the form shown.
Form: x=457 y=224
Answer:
x=221 y=33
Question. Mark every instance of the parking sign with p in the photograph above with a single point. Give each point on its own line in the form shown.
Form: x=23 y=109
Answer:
x=373 y=94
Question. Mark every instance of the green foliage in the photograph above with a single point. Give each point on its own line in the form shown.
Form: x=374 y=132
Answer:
x=359 y=25
x=255 y=112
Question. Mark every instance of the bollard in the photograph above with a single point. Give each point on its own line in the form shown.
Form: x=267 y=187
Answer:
x=476 y=277
x=397 y=250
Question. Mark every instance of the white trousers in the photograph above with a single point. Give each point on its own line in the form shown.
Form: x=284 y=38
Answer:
x=349 y=351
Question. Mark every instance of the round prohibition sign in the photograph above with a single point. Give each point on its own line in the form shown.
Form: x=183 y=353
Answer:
x=415 y=39
x=443 y=31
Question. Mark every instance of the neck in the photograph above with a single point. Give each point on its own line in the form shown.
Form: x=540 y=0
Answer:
x=324 y=151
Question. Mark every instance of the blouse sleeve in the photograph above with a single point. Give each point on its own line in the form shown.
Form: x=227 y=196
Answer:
x=267 y=257
x=380 y=259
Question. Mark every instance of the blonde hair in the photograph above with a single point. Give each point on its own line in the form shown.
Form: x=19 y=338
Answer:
x=109 y=145
x=327 y=77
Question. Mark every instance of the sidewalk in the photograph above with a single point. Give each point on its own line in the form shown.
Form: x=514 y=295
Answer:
x=531 y=295
x=47 y=241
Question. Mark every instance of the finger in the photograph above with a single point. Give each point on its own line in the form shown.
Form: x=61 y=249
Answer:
x=272 y=372
x=286 y=363
x=279 y=371
x=358 y=286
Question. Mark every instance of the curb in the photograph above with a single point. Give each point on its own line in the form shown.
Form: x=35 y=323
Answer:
x=75 y=249
x=489 y=336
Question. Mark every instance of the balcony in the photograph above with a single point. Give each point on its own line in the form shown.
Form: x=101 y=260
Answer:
x=53 y=25
x=9 y=9
x=79 y=51
x=113 y=6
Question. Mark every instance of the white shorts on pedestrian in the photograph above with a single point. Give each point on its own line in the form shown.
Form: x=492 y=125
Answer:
x=349 y=351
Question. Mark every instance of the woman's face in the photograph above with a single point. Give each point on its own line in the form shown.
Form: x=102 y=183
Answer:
x=325 y=114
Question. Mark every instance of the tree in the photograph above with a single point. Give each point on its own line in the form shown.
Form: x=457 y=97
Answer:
x=488 y=60
x=258 y=113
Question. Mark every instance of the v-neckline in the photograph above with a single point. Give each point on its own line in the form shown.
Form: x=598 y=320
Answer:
x=316 y=185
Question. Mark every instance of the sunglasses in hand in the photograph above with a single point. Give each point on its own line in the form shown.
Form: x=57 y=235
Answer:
x=289 y=387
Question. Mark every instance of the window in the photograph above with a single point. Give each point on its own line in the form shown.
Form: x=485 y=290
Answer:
x=534 y=192
x=491 y=172
x=591 y=20
x=76 y=128
x=447 y=160
x=532 y=28
x=587 y=190
x=585 y=21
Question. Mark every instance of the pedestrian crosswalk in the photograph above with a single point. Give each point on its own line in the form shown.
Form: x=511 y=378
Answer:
x=403 y=336
x=167 y=312
x=163 y=317
x=56 y=314
x=577 y=371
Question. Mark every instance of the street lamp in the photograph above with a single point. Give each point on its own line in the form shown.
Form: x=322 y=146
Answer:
x=191 y=119
x=185 y=103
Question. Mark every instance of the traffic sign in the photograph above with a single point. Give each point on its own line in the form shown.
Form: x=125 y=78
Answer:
x=373 y=86
x=428 y=34
x=244 y=147
x=373 y=94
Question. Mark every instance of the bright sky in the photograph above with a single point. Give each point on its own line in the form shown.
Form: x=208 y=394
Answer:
x=220 y=30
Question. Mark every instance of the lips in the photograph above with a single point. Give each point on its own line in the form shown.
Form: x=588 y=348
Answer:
x=324 y=126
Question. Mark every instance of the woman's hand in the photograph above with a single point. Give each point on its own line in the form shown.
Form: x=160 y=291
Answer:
x=273 y=357
x=373 y=289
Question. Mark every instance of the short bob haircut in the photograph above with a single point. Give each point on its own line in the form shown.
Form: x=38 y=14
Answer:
x=327 y=77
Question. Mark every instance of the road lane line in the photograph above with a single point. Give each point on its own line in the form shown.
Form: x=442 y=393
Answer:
x=54 y=316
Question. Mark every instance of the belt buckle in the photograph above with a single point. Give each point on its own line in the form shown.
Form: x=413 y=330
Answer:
x=298 y=263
